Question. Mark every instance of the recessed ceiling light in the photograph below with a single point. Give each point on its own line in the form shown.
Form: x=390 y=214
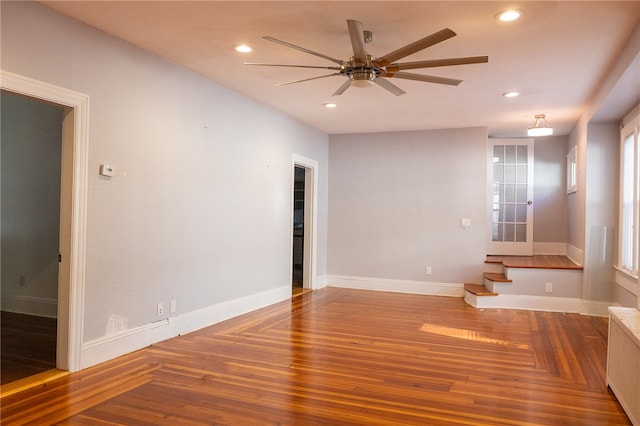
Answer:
x=330 y=105
x=509 y=15
x=243 y=48
x=511 y=94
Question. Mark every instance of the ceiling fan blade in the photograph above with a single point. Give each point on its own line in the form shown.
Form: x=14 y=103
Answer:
x=307 y=79
x=342 y=88
x=416 y=46
x=386 y=84
x=357 y=39
x=437 y=63
x=302 y=49
x=426 y=78
x=293 y=66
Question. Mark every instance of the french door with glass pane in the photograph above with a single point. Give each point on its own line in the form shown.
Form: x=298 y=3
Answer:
x=510 y=181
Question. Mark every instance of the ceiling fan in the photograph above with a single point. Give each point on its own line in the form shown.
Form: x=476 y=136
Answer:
x=363 y=70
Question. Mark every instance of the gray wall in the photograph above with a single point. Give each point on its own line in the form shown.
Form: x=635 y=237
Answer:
x=602 y=190
x=200 y=207
x=549 y=191
x=31 y=144
x=397 y=200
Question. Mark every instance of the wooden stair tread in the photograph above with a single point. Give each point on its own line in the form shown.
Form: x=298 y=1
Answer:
x=497 y=277
x=478 y=290
x=538 y=261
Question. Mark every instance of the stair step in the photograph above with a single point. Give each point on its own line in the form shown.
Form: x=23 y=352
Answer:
x=478 y=290
x=538 y=261
x=500 y=278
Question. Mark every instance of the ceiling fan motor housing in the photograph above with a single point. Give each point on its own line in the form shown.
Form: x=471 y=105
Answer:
x=361 y=73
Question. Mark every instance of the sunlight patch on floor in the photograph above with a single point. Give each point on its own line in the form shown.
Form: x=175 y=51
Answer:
x=31 y=382
x=472 y=335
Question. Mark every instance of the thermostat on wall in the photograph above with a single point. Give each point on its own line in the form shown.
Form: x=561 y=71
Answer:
x=106 y=170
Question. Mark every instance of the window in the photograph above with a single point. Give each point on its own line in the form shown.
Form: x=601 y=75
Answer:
x=629 y=197
x=572 y=171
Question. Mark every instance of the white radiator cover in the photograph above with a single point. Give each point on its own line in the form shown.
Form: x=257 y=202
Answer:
x=623 y=359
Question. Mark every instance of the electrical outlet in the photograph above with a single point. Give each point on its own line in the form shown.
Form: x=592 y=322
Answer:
x=160 y=309
x=172 y=308
x=23 y=280
x=548 y=287
x=428 y=271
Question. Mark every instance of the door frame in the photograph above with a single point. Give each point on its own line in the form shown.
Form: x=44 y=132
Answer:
x=510 y=248
x=310 y=220
x=73 y=210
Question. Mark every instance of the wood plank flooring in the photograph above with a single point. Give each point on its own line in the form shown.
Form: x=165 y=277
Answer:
x=348 y=357
x=544 y=261
x=28 y=345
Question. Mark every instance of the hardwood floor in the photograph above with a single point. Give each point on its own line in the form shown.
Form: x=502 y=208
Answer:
x=348 y=357
x=543 y=261
x=28 y=345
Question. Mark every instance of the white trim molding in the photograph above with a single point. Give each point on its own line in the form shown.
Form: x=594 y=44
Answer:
x=575 y=254
x=626 y=280
x=530 y=303
x=38 y=306
x=71 y=294
x=596 y=308
x=310 y=219
x=321 y=281
x=399 y=286
x=117 y=344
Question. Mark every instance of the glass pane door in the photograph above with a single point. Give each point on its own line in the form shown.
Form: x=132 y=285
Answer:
x=510 y=171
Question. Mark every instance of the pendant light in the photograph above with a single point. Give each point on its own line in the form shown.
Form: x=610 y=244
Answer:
x=541 y=128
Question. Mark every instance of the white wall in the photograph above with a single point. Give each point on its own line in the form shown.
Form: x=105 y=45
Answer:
x=31 y=149
x=199 y=209
x=396 y=204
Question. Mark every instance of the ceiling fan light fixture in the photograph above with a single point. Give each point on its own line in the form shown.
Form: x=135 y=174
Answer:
x=511 y=94
x=541 y=127
x=362 y=83
x=362 y=78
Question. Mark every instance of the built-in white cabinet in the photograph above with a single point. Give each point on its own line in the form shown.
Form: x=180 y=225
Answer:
x=623 y=359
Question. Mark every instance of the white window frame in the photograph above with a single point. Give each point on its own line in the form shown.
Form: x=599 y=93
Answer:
x=572 y=171
x=629 y=264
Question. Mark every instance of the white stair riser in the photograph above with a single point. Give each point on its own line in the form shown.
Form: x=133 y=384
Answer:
x=496 y=286
x=532 y=282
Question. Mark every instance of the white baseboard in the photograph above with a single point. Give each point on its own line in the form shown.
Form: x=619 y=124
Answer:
x=575 y=254
x=400 y=286
x=550 y=248
x=321 y=282
x=38 y=306
x=127 y=341
x=529 y=303
x=596 y=308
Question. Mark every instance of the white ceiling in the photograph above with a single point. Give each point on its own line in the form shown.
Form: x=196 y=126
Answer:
x=556 y=55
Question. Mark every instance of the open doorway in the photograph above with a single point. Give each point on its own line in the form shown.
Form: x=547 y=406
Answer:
x=298 y=229
x=31 y=154
x=303 y=222
x=69 y=257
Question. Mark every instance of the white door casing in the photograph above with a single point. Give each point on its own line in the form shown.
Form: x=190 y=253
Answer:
x=510 y=197
x=73 y=207
x=310 y=219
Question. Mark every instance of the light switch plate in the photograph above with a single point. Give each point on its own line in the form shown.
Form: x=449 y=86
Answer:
x=106 y=170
